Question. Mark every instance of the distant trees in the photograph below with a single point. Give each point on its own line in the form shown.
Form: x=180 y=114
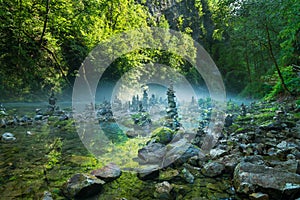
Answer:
x=258 y=38
x=43 y=43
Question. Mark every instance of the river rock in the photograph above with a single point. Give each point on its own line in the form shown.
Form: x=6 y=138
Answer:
x=168 y=174
x=153 y=153
x=2 y=123
x=162 y=135
x=7 y=137
x=282 y=145
x=132 y=134
x=216 y=153
x=38 y=117
x=213 y=169
x=188 y=177
x=82 y=186
x=108 y=173
x=277 y=183
x=162 y=190
x=230 y=162
x=148 y=172
x=259 y=196
x=47 y=196
x=181 y=151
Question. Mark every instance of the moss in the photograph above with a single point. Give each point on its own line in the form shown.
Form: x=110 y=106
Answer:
x=163 y=135
x=82 y=161
x=128 y=186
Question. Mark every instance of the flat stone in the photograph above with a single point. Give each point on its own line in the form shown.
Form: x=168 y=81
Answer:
x=216 y=153
x=259 y=196
x=213 y=169
x=7 y=137
x=277 y=183
x=148 y=172
x=108 y=173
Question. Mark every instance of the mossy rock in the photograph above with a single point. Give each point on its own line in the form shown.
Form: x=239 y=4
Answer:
x=163 y=135
x=82 y=161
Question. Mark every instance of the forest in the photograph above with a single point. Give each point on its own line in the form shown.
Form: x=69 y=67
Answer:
x=150 y=99
x=255 y=44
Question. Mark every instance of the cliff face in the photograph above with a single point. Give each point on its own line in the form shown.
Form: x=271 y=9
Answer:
x=183 y=14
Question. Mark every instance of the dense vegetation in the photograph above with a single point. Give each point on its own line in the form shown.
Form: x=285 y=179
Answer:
x=256 y=44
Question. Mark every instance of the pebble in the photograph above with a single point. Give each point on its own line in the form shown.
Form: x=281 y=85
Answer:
x=8 y=137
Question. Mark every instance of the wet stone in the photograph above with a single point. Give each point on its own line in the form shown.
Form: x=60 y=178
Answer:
x=259 y=196
x=149 y=172
x=168 y=174
x=8 y=137
x=163 y=190
x=215 y=153
x=213 y=169
x=108 y=173
x=82 y=186
x=188 y=177
x=278 y=183
x=47 y=196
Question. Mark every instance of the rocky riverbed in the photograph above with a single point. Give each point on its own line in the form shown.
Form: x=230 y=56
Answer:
x=256 y=157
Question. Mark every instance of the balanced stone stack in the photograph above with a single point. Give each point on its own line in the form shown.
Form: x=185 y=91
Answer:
x=172 y=115
x=145 y=100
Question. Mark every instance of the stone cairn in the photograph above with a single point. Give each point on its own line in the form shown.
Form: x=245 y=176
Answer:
x=145 y=101
x=52 y=103
x=172 y=115
x=152 y=100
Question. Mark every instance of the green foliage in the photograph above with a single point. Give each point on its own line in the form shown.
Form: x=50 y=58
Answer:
x=54 y=154
x=255 y=90
x=292 y=81
x=43 y=43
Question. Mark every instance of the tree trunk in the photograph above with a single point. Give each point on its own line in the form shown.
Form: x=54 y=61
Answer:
x=275 y=62
x=46 y=21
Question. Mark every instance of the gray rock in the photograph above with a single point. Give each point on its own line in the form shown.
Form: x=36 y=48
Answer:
x=181 y=151
x=162 y=190
x=169 y=174
x=38 y=117
x=108 y=173
x=277 y=183
x=282 y=145
x=153 y=153
x=213 y=169
x=132 y=134
x=149 y=172
x=187 y=175
x=82 y=186
x=230 y=162
x=7 y=137
x=216 y=153
x=259 y=196
x=47 y=196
